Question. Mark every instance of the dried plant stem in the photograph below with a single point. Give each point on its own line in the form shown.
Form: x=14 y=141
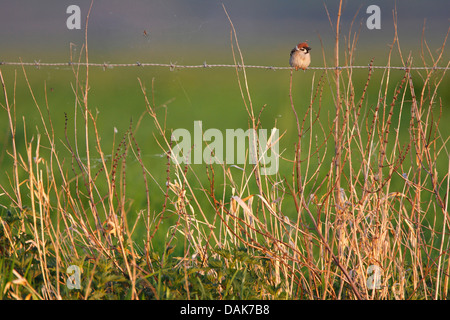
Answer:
x=337 y=126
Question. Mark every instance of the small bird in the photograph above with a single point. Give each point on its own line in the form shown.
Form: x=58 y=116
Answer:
x=300 y=57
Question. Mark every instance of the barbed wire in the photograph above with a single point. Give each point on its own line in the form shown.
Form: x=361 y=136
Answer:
x=173 y=66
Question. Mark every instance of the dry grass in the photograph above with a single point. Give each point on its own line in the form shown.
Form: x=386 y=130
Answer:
x=372 y=223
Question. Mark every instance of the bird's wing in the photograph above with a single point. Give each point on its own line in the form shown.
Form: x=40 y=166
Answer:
x=292 y=52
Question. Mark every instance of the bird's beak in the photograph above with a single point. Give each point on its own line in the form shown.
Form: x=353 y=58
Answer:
x=308 y=48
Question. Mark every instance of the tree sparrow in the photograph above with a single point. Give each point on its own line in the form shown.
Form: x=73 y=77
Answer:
x=300 y=57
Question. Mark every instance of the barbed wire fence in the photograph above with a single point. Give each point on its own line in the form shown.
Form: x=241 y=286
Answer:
x=174 y=66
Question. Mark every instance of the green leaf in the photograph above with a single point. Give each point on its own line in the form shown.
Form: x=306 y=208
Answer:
x=224 y=253
x=216 y=263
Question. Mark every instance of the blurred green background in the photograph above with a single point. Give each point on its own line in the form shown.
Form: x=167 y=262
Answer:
x=191 y=32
